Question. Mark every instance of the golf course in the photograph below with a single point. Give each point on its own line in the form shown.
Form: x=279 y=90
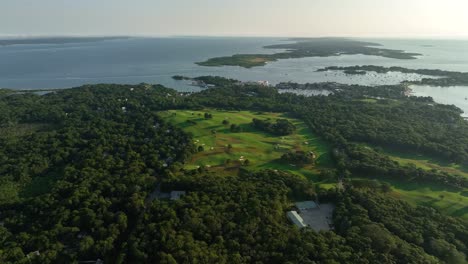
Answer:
x=224 y=150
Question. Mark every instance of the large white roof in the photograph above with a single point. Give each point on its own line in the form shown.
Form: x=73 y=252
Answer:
x=296 y=219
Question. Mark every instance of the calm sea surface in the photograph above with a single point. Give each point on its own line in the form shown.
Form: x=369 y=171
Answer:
x=155 y=60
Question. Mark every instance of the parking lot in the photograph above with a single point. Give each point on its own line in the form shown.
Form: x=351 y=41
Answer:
x=319 y=218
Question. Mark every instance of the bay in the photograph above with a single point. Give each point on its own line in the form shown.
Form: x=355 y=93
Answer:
x=156 y=60
x=453 y=95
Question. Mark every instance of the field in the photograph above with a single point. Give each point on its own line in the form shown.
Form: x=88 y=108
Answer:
x=427 y=163
x=263 y=150
x=450 y=201
x=259 y=148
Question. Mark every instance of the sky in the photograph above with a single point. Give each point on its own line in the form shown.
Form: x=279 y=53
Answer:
x=308 y=18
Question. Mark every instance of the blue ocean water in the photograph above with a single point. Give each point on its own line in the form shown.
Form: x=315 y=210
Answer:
x=151 y=60
x=156 y=60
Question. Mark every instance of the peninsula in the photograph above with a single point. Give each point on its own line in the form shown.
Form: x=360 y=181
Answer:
x=309 y=47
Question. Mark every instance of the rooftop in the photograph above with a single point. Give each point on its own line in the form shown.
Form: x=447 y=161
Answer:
x=296 y=219
x=306 y=205
x=175 y=195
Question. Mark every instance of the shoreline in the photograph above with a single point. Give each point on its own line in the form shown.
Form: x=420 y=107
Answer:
x=310 y=47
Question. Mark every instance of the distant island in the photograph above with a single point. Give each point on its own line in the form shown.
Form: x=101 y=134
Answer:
x=54 y=40
x=445 y=78
x=309 y=47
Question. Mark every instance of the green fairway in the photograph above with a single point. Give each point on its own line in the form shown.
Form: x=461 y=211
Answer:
x=451 y=201
x=427 y=163
x=259 y=148
x=263 y=150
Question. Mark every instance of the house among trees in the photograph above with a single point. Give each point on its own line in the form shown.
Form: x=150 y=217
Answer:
x=312 y=154
x=263 y=83
x=175 y=195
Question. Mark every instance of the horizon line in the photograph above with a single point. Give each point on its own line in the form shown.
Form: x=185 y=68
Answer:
x=25 y=36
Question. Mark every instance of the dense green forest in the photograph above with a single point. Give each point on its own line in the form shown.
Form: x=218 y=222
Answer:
x=79 y=167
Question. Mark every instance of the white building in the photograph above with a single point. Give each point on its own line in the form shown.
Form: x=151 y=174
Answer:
x=264 y=83
x=296 y=219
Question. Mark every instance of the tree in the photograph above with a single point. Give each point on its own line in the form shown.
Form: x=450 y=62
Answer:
x=235 y=128
x=167 y=259
x=229 y=148
x=386 y=187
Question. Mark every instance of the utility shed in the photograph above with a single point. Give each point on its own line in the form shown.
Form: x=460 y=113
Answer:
x=306 y=205
x=296 y=219
x=175 y=195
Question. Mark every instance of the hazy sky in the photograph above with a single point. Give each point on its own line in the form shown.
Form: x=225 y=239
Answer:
x=382 y=18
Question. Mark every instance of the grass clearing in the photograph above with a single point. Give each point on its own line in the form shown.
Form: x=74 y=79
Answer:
x=427 y=163
x=450 y=201
x=255 y=145
x=368 y=100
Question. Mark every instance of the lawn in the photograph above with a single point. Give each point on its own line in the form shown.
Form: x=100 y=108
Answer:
x=263 y=150
x=427 y=163
x=453 y=203
x=450 y=201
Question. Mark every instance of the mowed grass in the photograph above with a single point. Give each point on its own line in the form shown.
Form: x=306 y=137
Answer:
x=450 y=201
x=427 y=163
x=255 y=145
x=368 y=100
